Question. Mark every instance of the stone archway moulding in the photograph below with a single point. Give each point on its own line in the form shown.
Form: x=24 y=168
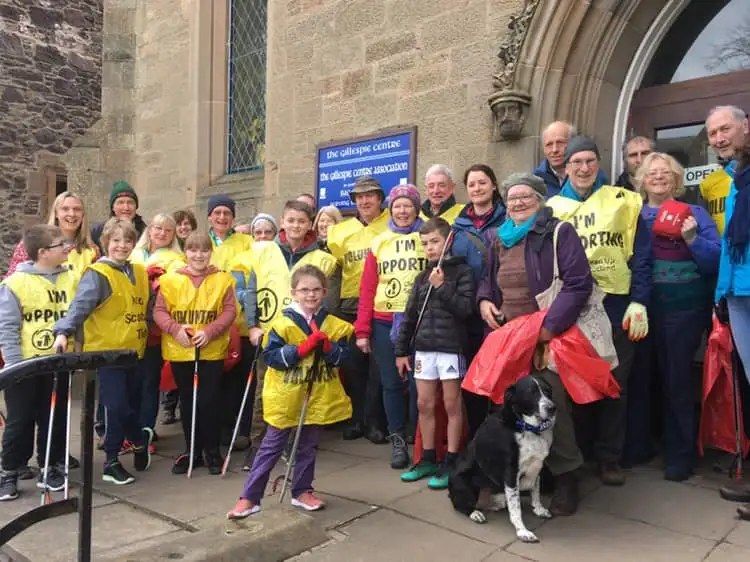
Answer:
x=577 y=60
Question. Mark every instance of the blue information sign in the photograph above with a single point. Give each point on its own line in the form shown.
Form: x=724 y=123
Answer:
x=388 y=157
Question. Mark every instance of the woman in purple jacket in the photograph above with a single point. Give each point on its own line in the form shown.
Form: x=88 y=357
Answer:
x=519 y=267
x=686 y=248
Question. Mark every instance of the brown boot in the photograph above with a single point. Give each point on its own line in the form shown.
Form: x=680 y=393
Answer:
x=611 y=474
x=565 y=498
x=744 y=512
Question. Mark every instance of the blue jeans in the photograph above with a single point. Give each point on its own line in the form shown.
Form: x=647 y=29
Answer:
x=120 y=392
x=394 y=388
x=149 y=369
x=739 y=321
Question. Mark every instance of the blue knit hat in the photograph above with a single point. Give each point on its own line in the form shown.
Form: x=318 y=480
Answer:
x=221 y=200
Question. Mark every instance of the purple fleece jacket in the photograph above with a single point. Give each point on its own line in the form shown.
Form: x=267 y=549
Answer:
x=573 y=264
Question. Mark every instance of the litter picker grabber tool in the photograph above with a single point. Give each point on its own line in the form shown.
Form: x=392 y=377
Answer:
x=736 y=469
x=292 y=460
x=250 y=376
x=192 y=413
x=46 y=496
x=448 y=242
x=66 y=490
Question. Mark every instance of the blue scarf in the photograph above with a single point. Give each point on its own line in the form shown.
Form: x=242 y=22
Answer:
x=416 y=225
x=569 y=191
x=511 y=233
x=738 y=229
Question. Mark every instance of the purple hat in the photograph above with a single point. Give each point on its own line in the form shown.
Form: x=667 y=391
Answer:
x=404 y=190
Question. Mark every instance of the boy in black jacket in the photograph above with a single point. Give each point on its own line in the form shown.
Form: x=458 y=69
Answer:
x=439 y=342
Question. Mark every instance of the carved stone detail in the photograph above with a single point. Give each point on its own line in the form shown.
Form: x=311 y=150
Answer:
x=509 y=103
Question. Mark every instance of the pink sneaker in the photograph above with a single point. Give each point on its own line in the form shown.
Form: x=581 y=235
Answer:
x=308 y=501
x=243 y=508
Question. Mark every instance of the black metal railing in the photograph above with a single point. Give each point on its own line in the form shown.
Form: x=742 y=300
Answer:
x=75 y=363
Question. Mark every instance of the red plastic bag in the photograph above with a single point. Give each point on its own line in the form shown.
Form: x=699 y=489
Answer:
x=717 y=413
x=441 y=431
x=234 y=353
x=167 y=378
x=507 y=353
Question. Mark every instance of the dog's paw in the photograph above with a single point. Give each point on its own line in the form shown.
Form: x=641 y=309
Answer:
x=477 y=516
x=542 y=512
x=497 y=502
x=526 y=536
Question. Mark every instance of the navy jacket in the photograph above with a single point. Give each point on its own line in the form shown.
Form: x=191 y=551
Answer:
x=470 y=242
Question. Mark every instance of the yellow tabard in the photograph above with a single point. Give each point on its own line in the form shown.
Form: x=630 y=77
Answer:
x=120 y=321
x=400 y=258
x=166 y=258
x=349 y=242
x=715 y=189
x=197 y=308
x=606 y=224
x=449 y=215
x=80 y=260
x=42 y=304
x=230 y=247
x=274 y=278
x=284 y=391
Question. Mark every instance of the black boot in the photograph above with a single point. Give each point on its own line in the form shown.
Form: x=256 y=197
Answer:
x=738 y=491
x=399 y=451
x=375 y=435
x=353 y=430
x=565 y=499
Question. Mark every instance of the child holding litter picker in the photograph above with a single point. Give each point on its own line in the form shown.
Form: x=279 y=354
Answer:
x=303 y=349
x=195 y=308
x=434 y=329
x=111 y=305
x=31 y=300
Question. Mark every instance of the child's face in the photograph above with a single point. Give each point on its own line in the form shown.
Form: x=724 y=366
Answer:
x=296 y=224
x=309 y=293
x=198 y=258
x=119 y=247
x=433 y=243
x=55 y=254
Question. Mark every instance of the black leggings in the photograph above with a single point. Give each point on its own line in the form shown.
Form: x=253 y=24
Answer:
x=208 y=416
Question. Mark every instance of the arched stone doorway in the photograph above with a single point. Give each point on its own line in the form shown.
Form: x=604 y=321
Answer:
x=584 y=61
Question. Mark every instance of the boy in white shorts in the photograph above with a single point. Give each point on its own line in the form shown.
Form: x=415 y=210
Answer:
x=438 y=340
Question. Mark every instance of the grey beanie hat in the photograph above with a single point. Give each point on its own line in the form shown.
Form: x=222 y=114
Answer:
x=580 y=144
x=523 y=178
x=264 y=217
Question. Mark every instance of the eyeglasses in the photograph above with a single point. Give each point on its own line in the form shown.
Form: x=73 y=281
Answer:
x=305 y=291
x=581 y=163
x=64 y=244
x=658 y=172
x=522 y=198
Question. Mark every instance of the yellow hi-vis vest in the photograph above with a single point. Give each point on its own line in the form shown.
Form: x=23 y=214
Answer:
x=230 y=247
x=715 y=189
x=78 y=261
x=120 y=321
x=274 y=278
x=400 y=259
x=450 y=215
x=197 y=308
x=606 y=224
x=349 y=242
x=166 y=258
x=284 y=391
x=42 y=303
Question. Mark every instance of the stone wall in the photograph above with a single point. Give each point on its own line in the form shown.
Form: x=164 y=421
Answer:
x=50 y=78
x=345 y=68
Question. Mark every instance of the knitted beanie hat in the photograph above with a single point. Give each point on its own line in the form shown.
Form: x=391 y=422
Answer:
x=523 y=178
x=264 y=217
x=121 y=188
x=221 y=200
x=404 y=190
x=580 y=144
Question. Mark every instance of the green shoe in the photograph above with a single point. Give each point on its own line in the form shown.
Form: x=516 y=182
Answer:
x=439 y=480
x=420 y=470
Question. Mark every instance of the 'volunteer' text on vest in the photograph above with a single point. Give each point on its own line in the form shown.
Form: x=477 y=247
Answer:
x=42 y=304
x=714 y=189
x=196 y=307
x=274 y=278
x=349 y=242
x=284 y=391
x=120 y=321
x=400 y=259
x=606 y=224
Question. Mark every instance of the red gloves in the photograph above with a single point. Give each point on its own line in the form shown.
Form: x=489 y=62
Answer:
x=313 y=340
x=154 y=272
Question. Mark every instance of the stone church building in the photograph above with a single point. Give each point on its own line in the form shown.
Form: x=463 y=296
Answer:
x=187 y=98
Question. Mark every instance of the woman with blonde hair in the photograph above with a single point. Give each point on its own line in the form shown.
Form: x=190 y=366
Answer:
x=67 y=212
x=327 y=216
x=686 y=248
x=159 y=245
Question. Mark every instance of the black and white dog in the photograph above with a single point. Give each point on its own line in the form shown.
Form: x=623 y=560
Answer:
x=506 y=457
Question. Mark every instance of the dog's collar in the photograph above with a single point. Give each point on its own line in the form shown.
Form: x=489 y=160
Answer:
x=535 y=429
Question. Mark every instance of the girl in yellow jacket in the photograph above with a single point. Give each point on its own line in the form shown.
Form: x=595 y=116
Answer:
x=303 y=349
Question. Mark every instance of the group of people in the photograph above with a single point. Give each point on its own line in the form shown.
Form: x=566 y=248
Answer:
x=371 y=321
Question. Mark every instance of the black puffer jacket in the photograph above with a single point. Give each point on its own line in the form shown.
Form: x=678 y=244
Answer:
x=443 y=326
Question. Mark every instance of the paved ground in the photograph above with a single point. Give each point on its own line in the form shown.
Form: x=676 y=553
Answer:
x=373 y=516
